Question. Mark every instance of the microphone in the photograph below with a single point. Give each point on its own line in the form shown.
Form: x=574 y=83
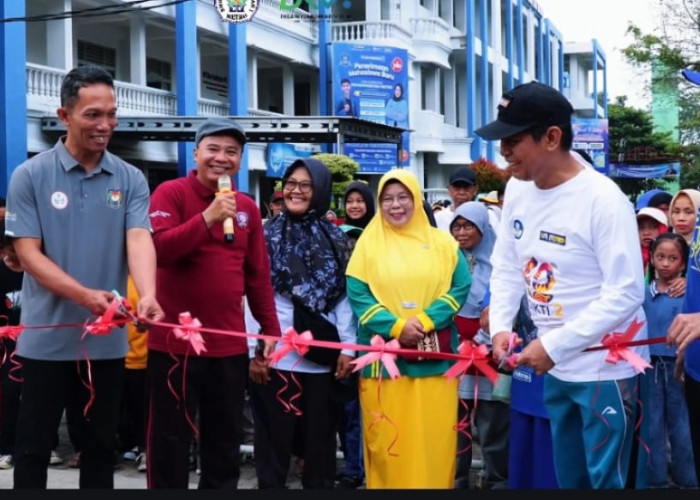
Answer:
x=225 y=187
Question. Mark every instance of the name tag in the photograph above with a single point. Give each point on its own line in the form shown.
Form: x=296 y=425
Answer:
x=409 y=305
x=557 y=239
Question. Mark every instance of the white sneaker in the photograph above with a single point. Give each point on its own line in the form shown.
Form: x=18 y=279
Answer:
x=55 y=458
x=6 y=462
x=141 y=462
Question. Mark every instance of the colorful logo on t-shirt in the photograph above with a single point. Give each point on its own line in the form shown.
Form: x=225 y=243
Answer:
x=540 y=280
x=114 y=198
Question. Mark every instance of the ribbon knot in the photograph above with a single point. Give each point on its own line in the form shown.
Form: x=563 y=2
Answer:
x=618 y=350
x=190 y=333
x=11 y=332
x=388 y=359
x=473 y=355
x=291 y=341
x=104 y=324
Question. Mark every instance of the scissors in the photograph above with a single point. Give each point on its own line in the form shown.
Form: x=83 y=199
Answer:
x=505 y=358
x=125 y=308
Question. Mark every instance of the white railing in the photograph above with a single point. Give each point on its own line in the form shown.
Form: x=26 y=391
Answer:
x=210 y=107
x=370 y=30
x=144 y=100
x=433 y=28
x=44 y=86
x=43 y=81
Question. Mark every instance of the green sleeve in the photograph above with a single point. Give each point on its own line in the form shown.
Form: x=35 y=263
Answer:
x=371 y=315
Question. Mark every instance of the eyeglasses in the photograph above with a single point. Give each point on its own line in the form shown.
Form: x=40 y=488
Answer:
x=463 y=226
x=402 y=199
x=304 y=187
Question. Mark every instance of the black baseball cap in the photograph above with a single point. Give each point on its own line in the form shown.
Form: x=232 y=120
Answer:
x=526 y=106
x=220 y=126
x=463 y=175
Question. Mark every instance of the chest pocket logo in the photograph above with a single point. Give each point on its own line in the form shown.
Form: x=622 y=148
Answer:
x=114 y=198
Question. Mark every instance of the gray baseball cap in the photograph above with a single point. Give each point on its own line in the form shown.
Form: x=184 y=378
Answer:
x=220 y=126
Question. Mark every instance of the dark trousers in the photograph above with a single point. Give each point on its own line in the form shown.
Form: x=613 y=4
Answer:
x=132 y=426
x=9 y=398
x=692 y=397
x=274 y=430
x=492 y=421
x=47 y=388
x=212 y=387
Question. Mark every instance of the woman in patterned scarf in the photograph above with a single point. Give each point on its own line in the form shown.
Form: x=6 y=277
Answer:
x=308 y=257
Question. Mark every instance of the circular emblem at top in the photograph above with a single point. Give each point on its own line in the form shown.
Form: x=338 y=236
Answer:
x=236 y=11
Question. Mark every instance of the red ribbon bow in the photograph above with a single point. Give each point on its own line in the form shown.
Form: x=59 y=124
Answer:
x=617 y=343
x=292 y=341
x=477 y=356
x=388 y=359
x=11 y=332
x=104 y=324
x=191 y=334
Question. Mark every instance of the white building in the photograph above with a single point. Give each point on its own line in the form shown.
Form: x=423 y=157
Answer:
x=463 y=54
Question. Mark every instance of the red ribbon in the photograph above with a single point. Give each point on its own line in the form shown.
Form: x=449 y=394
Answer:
x=386 y=358
x=292 y=341
x=191 y=332
x=473 y=355
x=11 y=332
x=617 y=343
x=104 y=324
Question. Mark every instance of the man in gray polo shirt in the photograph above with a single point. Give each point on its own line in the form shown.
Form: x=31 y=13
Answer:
x=78 y=216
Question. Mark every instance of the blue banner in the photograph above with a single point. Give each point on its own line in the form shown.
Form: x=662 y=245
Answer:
x=669 y=171
x=591 y=135
x=371 y=83
x=281 y=155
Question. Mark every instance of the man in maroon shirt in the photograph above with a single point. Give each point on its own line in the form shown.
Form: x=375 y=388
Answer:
x=201 y=273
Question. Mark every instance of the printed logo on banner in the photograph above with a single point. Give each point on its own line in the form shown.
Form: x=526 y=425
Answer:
x=236 y=11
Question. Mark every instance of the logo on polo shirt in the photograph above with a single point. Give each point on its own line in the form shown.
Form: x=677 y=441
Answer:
x=114 y=198
x=242 y=218
x=517 y=229
x=59 y=200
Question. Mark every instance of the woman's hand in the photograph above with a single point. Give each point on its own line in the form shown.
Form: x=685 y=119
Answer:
x=412 y=333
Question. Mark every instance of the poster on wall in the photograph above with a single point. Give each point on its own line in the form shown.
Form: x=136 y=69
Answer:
x=281 y=155
x=371 y=83
x=669 y=171
x=591 y=135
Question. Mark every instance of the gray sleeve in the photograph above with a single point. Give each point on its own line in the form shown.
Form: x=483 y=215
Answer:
x=138 y=202
x=22 y=215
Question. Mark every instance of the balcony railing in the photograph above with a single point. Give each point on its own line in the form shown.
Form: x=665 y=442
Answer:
x=44 y=88
x=363 y=31
x=434 y=29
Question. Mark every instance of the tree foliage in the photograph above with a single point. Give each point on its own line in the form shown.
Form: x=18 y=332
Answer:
x=632 y=129
x=343 y=170
x=488 y=175
x=674 y=46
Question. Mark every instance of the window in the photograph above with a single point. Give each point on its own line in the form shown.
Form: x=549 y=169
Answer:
x=91 y=53
x=158 y=74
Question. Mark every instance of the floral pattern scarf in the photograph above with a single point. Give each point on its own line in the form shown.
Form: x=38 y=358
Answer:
x=308 y=253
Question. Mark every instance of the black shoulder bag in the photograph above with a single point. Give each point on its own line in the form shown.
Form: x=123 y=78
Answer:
x=321 y=329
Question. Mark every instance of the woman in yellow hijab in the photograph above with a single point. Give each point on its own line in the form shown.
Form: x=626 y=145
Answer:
x=406 y=280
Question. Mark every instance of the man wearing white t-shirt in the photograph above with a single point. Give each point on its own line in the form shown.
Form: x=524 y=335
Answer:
x=568 y=240
x=462 y=188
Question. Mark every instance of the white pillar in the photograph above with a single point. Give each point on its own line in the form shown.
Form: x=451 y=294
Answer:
x=287 y=90
x=253 y=81
x=449 y=90
x=137 y=50
x=373 y=11
x=59 y=36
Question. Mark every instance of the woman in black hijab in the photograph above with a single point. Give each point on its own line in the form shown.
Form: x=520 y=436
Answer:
x=359 y=204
